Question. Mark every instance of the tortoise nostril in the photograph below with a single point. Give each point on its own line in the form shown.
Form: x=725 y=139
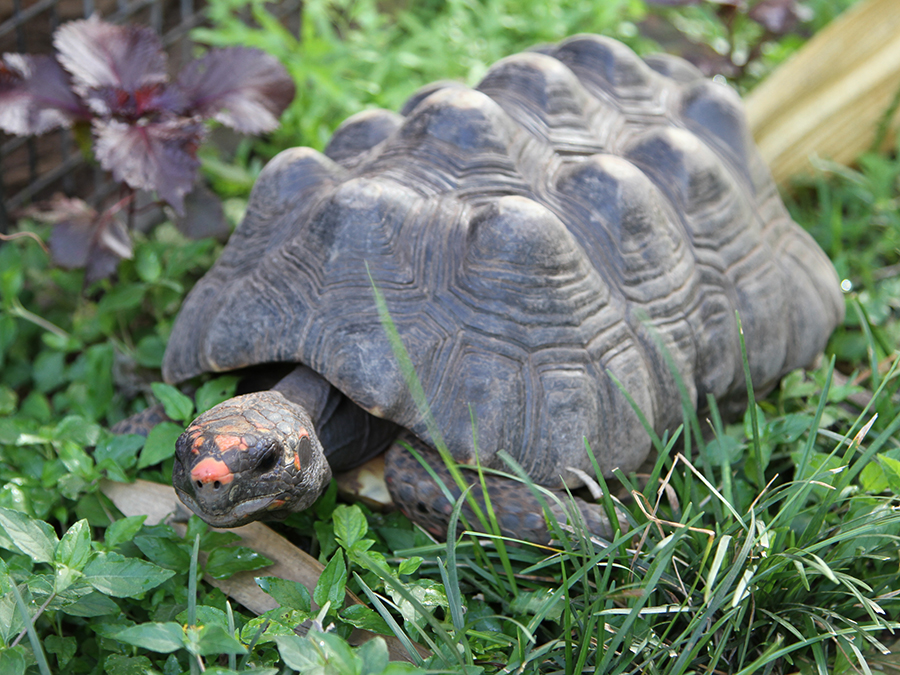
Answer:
x=199 y=484
x=217 y=485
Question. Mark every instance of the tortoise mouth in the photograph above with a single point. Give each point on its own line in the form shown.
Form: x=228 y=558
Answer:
x=246 y=511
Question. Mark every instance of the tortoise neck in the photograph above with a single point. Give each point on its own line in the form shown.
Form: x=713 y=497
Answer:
x=308 y=389
x=348 y=434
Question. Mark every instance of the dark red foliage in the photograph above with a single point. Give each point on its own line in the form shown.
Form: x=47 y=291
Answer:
x=36 y=95
x=146 y=127
x=776 y=16
x=83 y=238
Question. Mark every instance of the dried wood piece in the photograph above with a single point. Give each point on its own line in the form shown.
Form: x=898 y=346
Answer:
x=829 y=98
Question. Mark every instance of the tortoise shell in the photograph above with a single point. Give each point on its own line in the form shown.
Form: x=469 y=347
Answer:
x=581 y=218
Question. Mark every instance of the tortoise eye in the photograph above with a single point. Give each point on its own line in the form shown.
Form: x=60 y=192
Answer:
x=269 y=459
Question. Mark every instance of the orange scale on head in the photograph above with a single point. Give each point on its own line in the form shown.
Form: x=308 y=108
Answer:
x=225 y=442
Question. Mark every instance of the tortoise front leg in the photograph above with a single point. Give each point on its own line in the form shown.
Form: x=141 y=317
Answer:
x=519 y=513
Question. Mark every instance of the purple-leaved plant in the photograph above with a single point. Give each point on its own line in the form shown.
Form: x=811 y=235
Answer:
x=110 y=82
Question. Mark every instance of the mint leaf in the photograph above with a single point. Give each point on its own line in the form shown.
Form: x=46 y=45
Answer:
x=160 y=444
x=123 y=577
x=330 y=587
x=74 y=548
x=289 y=594
x=349 y=524
x=161 y=638
x=34 y=538
x=224 y=562
x=178 y=406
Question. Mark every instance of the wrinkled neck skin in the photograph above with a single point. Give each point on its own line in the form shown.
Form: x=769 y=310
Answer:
x=256 y=456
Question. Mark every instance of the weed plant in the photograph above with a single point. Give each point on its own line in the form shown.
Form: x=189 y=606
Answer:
x=764 y=544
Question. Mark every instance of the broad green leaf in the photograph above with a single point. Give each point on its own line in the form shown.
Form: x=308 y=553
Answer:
x=214 y=639
x=286 y=592
x=8 y=400
x=123 y=530
x=374 y=656
x=123 y=577
x=118 y=450
x=410 y=565
x=174 y=555
x=178 y=406
x=317 y=653
x=119 y=664
x=161 y=638
x=34 y=538
x=147 y=264
x=330 y=587
x=215 y=391
x=160 y=444
x=150 y=351
x=206 y=616
x=63 y=647
x=12 y=661
x=121 y=297
x=891 y=472
x=223 y=562
x=349 y=524
x=74 y=548
x=366 y=618
x=92 y=605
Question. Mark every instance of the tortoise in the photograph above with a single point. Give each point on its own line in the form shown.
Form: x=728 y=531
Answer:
x=580 y=223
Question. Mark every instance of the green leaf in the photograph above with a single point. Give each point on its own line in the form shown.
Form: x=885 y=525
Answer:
x=92 y=605
x=330 y=587
x=149 y=351
x=123 y=577
x=215 y=391
x=206 y=615
x=374 y=655
x=178 y=406
x=410 y=565
x=118 y=451
x=215 y=639
x=34 y=538
x=147 y=264
x=223 y=562
x=48 y=370
x=161 y=638
x=891 y=472
x=63 y=647
x=120 y=298
x=366 y=618
x=317 y=653
x=349 y=524
x=160 y=444
x=119 y=664
x=123 y=530
x=8 y=400
x=12 y=661
x=74 y=548
x=723 y=451
x=288 y=593
x=174 y=555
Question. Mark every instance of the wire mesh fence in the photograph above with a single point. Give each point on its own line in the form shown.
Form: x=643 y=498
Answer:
x=36 y=167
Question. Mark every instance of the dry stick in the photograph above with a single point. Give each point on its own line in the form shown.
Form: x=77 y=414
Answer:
x=20 y=235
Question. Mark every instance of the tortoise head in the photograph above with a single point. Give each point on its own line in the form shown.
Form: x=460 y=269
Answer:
x=252 y=457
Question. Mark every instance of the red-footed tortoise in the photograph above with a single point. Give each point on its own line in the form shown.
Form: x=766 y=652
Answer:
x=582 y=215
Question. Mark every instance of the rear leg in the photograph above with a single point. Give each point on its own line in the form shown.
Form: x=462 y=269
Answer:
x=519 y=513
